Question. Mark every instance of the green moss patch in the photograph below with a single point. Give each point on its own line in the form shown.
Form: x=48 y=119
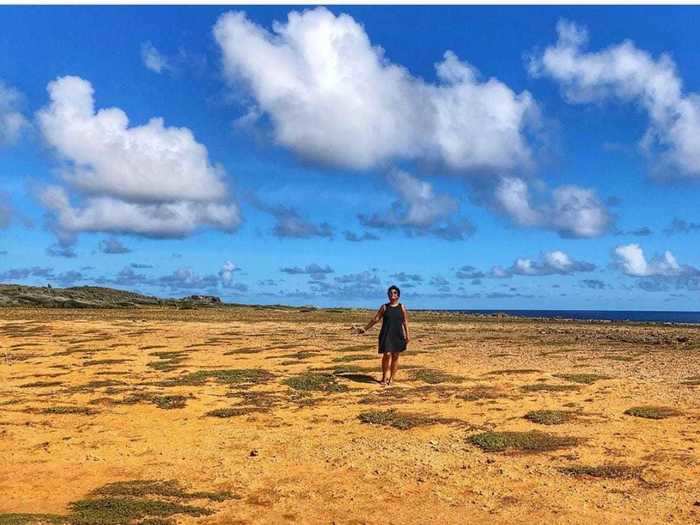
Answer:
x=586 y=379
x=234 y=412
x=120 y=511
x=652 y=412
x=434 y=377
x=95 y=362
x=355 y=348
x=533 y=441
x=168 y=488
x=169 y=402
x=513 y=371
x=311 y=381
x=243 y=351
x=609 y=471
x=41 y=384
x=549 y=417
x=225 y=376
x=544 y=387
x=30 y=519
x=85 y=411
x=401 y=420
x=350 y=358
x=480 y=392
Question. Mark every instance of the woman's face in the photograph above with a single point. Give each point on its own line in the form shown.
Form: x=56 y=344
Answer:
x=393 y=295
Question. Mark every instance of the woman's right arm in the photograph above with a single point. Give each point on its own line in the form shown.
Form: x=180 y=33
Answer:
x=375 y=320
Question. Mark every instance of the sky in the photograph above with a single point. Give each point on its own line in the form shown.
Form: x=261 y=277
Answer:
x=479 y=157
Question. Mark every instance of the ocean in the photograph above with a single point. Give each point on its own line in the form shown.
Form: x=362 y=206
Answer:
x=601 y=315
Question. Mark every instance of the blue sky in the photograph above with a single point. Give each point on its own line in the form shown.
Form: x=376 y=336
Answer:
x=478 y=157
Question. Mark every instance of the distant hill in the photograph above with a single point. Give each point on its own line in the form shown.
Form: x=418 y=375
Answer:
x=16 y=295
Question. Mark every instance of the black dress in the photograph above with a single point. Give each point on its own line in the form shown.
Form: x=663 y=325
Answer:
x=391 y=336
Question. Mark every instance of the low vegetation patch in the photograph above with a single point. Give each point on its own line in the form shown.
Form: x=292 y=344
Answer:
x=243 y=351
x=13 y=518
x=228 y=376
x=533 y=441
x=169 y=402
x=610 y=471
x=126 y=502
x=94 y=362
x=401 y=420
x=355 y=348
x=544 y=387
x=233 y=412
x=86 y=411
x=311 y=381
x=41 y=384
x=586 y=379
x=549 y=417
x=652 y=412
x=350 y=358
x=513 y=371
x=480 y=392
x=434 y=377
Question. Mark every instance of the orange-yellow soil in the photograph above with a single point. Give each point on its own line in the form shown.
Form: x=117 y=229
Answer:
x=306 y=457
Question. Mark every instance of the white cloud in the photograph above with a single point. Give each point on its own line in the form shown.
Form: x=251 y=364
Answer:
x=12 y=122
x=571 y=211
x=631 y=260
x=148 y=180
x=550 y=263
x=153 y=59
x=226 y=272
x=334 y=98
x=419 y=210
x=627 y=73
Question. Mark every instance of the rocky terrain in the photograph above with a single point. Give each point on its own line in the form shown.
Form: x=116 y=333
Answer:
x=16 y=295
x=218 y=416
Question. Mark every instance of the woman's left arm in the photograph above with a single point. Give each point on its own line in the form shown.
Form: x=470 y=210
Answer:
x=405 y=323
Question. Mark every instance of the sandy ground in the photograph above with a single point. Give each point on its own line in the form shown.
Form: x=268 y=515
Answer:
x=298 y=456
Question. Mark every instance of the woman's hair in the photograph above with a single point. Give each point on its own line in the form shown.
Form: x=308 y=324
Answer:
x=393 y=287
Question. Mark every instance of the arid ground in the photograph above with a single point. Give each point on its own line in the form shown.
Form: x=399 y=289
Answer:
x=259 y=415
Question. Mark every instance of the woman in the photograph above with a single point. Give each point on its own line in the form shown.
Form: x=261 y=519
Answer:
x=393 y=337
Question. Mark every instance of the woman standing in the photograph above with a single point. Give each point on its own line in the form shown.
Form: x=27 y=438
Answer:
x=393 y=337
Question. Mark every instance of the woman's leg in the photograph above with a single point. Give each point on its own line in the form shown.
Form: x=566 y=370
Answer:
x=386 y=358
x=393 y=366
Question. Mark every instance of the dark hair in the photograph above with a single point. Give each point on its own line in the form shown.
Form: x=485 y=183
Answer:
x=393 y=287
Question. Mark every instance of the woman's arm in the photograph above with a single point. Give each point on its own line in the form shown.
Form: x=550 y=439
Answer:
x=405 y=323
x=374 y=320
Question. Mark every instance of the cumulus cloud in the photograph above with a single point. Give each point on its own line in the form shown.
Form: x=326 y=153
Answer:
x=149 y=180
x=153 y=59
x=62 y=248
x=571 y=211
x=227 y=271
x=469 y=272
x=353 y=237
x=12 y=122
x=629 y=74
x=16 y=274
x=113 y=246
x=419 y=210
x=594 y=284
x=551 y=263
x=403 y=277
x=315 y=271
x=333 y=97
x=631 y=260
x=681 y=226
